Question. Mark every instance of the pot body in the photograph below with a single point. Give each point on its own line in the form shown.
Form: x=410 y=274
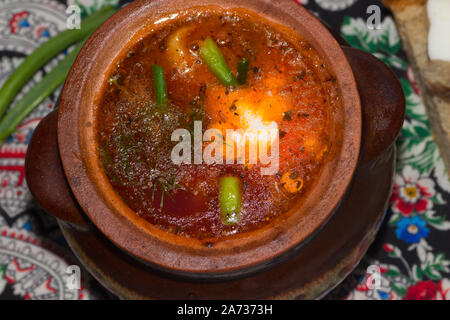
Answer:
x=78 y=202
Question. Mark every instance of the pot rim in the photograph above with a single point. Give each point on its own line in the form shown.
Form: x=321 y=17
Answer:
x=135 y=235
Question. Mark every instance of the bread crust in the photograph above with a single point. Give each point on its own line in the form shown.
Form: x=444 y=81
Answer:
x=433 y=77
x=400 y=4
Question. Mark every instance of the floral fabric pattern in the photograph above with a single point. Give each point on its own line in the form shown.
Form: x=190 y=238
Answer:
x=412 y=247
x=411 y=251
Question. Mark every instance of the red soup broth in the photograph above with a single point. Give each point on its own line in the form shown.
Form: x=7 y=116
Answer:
x=287 y=83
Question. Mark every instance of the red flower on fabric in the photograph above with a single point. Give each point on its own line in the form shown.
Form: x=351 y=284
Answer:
x=412 y=192
x=423 y=290
x=388 y=248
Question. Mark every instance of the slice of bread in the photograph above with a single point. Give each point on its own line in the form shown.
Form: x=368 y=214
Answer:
x=432 y=76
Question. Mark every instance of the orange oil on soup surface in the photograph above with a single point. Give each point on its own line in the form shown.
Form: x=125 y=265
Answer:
x=287 y=83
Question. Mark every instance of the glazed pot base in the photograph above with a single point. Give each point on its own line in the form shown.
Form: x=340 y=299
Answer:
x=317 y=267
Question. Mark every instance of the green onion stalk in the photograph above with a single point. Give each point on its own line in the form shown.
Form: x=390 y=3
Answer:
x=52 y=80
x=215 y=61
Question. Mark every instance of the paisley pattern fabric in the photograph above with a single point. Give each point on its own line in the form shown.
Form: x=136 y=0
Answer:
x=30 y=268
x=411 y=250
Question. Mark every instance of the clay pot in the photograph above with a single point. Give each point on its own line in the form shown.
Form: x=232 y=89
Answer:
x=73 y=182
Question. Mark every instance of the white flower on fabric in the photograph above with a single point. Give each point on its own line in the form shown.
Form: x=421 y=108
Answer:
x=89 y=6
x=441 y=176
x=335 y=5
x=384 y=291
x=387 y=34
x=412 y=192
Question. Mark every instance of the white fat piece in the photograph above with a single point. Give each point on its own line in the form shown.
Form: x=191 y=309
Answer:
x=439 y=34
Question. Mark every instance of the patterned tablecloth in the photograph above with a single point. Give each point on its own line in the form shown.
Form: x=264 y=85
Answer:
x=411 y=249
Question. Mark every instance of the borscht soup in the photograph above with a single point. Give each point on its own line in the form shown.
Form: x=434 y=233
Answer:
x=215 y=122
